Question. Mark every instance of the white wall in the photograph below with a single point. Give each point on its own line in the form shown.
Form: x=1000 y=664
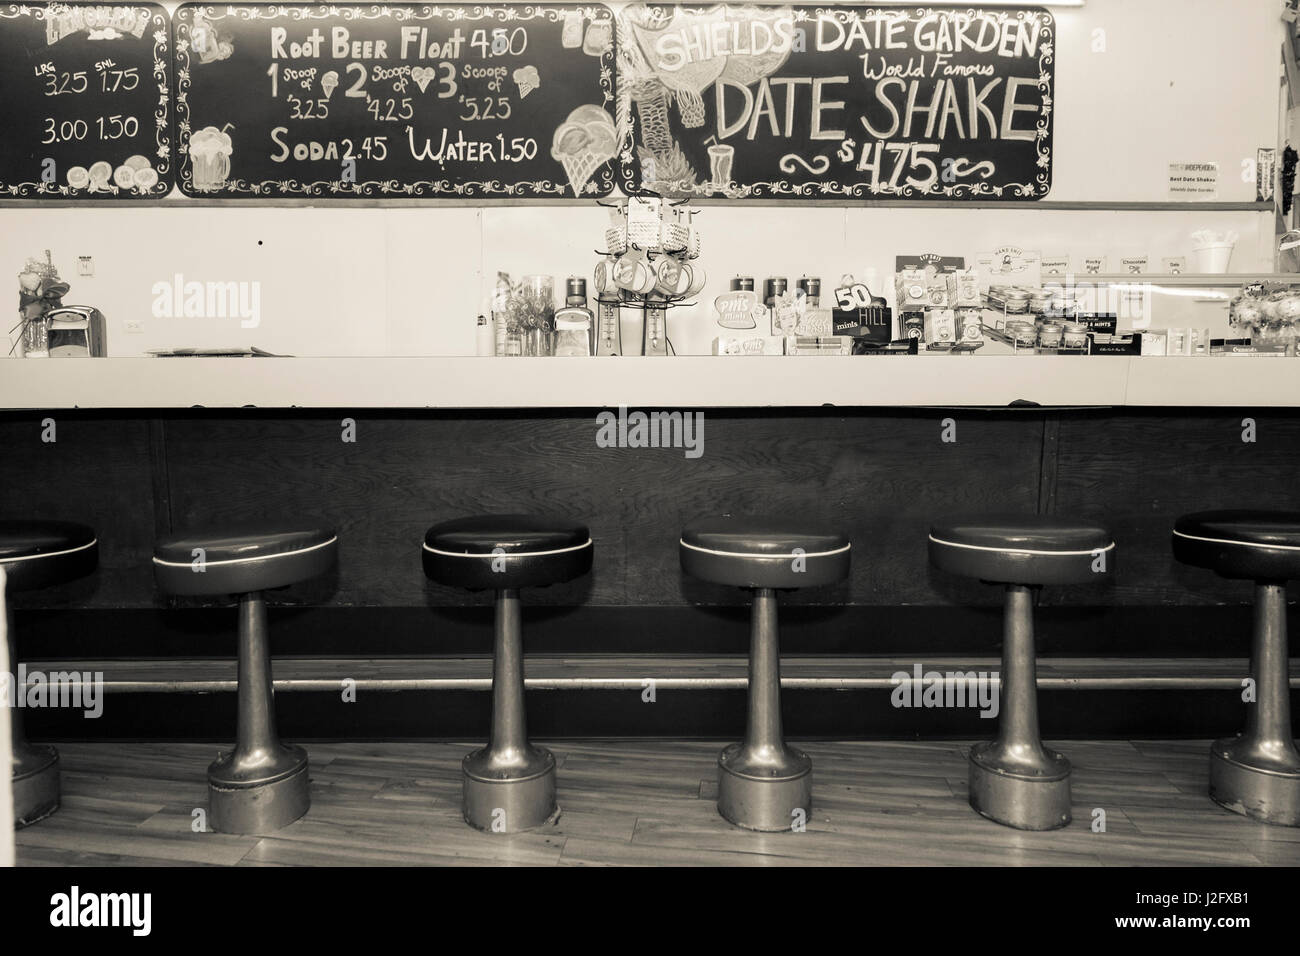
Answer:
x=1179 y=80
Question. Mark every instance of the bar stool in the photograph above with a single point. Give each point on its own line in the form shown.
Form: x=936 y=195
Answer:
x=509 y=785
x=763 y=782
x=39 y=554
x=262 y=784
x=1257 y=773
x=1014 y=779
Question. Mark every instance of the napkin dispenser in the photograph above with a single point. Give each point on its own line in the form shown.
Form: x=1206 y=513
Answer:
x=77 y=331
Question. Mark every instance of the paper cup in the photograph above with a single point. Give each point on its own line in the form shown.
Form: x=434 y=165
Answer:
x=1212 y=258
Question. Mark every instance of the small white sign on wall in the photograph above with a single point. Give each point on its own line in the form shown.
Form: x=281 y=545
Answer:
x=1189 y=182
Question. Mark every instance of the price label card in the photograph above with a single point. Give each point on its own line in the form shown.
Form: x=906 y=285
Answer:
x=856 y=296
x=853 y=314
x=395 y=100
x=86 y=101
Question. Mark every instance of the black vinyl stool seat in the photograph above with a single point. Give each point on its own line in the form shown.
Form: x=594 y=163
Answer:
x=242 y=560
x=494 y=552
x=763 y=783
x=509 y=785
x=262 y=784
x=1014 y=779
x=1256 y=773
x=39 y=554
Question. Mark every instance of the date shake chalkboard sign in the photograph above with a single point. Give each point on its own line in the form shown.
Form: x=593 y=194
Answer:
x=869 y=102
x=85 y=101
x=395 y=100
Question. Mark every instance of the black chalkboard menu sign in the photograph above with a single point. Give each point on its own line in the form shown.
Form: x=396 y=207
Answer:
x=395 y=100
x=866 y=102
x=85 y=101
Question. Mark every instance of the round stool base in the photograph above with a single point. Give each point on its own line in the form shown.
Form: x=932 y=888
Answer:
x=511 y=804
x=262 y=808
x=36 y=787
x=1023 y=801
x=768 y=804
x=1267 y=796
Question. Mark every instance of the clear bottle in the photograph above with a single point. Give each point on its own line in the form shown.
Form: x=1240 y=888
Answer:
x=573 y=322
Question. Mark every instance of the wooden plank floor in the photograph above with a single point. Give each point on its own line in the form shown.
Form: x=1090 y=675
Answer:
x=649 y=802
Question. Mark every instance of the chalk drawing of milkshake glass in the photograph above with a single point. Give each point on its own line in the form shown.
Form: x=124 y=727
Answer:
x=721 y=157
x=210 y=150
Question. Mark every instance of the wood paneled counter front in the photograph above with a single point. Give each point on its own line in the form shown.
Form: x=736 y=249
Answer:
x=655 y=383
x=381 y=477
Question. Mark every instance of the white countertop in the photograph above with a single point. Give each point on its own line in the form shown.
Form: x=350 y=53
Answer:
x=652 y=383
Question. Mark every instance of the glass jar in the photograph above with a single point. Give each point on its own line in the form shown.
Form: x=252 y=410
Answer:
x=1023 y=334
x=1074 y=335
x=1016 y=301
x=537 y=343
x=1063 y=301
x=534 y=305
x=36 y=337
x=1049 y=335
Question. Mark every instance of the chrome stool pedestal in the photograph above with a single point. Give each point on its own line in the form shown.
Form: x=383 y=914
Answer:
x=509 y=784
x=38 y=554
x=35 y=775
x=763 y=783
x=35 y=766
x=1257 y=773
x=261 y=785
x=1014 y=779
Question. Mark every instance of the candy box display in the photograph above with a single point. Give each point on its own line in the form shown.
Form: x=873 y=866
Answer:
x=940 y=328
x=913 y=324
x=815 y=345
x=749 y=345
x=969 y=327
x=739 y=310
x=816 y=322
x=911 y=288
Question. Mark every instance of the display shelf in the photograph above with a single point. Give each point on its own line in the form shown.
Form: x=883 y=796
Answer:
x=1194 y=280
x=680 y=382
x=1241 y=381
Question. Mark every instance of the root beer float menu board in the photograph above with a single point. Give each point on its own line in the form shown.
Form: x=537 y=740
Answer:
x=395 y=100
x=870 y=102
x=85 y=101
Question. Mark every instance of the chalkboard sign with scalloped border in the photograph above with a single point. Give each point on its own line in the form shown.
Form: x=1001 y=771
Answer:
x=395 y=100
x=86 y=104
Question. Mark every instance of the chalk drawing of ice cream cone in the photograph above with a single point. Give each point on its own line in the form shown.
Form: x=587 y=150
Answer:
x=328 y=82
x=527 y=79
x=583 y=143
x=210 y=151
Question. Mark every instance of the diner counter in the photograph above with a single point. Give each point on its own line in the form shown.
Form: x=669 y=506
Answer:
x=675 y=382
